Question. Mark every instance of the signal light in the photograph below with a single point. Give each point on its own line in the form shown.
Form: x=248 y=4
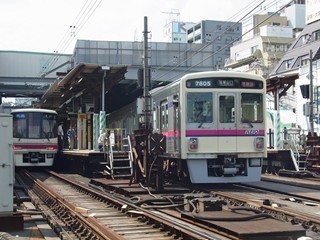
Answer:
x=193 y=144
x=259 y=143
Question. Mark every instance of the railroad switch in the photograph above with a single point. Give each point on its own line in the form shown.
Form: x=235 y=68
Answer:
x=202 y=203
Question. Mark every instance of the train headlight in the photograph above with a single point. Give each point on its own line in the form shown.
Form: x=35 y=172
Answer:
x=193 y=144
x=259 y=143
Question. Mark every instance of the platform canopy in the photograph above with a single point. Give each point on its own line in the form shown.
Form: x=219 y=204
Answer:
x=82 y=79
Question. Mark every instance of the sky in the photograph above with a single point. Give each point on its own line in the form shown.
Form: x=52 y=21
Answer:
x=55 y=25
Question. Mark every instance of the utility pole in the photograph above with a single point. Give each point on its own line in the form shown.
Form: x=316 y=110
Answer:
x=311 y=117
x=146 y=78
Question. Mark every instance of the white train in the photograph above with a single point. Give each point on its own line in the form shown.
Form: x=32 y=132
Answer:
x=214 y=123
x=34 y=137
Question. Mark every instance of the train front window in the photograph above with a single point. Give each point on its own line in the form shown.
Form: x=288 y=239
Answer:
x=199 y=107
x=19 y=125
x=34 y=125
x=252 y=108
x=48 y=126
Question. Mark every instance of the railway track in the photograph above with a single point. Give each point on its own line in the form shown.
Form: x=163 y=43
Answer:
x=97 y=213
x=281 y=206
x=89 y=214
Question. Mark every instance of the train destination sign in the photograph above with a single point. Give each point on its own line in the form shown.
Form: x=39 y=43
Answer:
x=223 y=83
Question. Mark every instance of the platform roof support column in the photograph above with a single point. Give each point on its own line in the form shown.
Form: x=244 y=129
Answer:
x=311 y=117
x=103 y=86
x=95 y=133
x=277 y=122
x=102 y=121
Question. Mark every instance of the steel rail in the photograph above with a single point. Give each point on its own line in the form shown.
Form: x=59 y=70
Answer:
x=306 y=221
x=53 y=198
x=183 y=229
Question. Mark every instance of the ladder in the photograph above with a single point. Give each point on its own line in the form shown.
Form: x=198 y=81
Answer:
x=120 y=159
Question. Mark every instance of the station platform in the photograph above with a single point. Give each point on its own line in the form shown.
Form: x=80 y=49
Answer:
x=82 y=152
x=86 y=162
x=277 y=159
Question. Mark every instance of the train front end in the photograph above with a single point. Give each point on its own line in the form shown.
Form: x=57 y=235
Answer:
x=34 y=137
x=223 y=127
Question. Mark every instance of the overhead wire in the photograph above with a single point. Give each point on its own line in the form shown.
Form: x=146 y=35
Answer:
x=65 y=37
x=82 y=21
x=269 y=16
x=85 y=16
x=225 y=46
x=73 y=30
x=214 y=40
x=211 y=42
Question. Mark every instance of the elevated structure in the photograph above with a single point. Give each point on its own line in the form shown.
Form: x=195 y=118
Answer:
x=168 y=62
x=29 y=74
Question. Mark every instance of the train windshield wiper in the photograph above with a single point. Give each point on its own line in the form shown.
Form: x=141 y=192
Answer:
x=46 y=135
x=204 y=117
x=250 y=124
x=247 y=121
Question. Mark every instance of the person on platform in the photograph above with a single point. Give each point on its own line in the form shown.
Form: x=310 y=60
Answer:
x=102 y=141
x=60 y=137
x=71 y=133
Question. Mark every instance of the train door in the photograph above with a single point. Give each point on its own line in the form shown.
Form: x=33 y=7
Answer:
x=176 y=124
x=227 y=127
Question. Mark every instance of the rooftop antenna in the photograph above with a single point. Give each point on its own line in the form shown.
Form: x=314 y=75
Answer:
x=174 y=15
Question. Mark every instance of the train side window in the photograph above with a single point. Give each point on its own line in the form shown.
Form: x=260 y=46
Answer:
x=226 y=109
x=252 y=107
x=199 y=107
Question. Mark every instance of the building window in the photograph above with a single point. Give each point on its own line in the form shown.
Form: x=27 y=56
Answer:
x=253 y=49
x=208 y=37
x=305 y=60
x=289 y=63
x=302 y=40
x=316 y=35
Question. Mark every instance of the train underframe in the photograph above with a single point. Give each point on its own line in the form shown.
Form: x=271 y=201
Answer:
x=36 y=158
x=224 y=169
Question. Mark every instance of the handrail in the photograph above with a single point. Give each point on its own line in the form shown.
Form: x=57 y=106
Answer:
x=130 y=154
x=110 y=150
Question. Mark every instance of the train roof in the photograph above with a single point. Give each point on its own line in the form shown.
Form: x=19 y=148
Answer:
x=223 y=74
x=33 y=110
x=208 y=74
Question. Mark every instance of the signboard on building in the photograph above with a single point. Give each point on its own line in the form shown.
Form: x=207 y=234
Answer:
x=177 y=31
x=312 y=11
